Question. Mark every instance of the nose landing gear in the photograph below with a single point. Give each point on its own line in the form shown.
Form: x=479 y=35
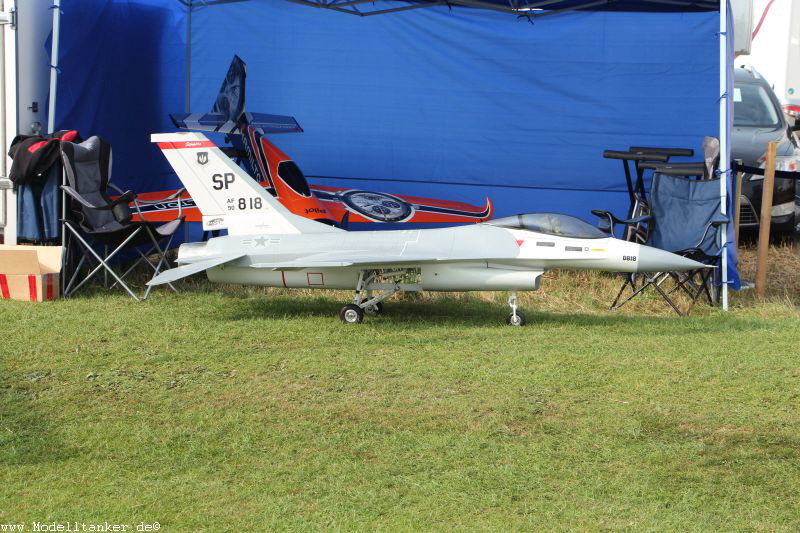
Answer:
x=515 y=318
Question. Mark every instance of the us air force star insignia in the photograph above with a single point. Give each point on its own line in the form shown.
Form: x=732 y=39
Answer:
x=202 y=158
x=260 y=241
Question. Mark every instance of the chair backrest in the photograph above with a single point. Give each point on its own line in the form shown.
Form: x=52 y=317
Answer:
x=88 y=169
x=683 y=209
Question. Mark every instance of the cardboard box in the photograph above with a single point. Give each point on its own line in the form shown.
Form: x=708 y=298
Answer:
x=29 y=273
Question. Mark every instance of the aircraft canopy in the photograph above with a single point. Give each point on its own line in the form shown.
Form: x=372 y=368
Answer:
x=551 y=224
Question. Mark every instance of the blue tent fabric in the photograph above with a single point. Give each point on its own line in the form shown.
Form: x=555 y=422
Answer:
x=465 y=102
x=122 y=70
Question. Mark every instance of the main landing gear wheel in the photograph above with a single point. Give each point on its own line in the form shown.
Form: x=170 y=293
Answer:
x=374 y=309
x=351 y=314
x=517 y=319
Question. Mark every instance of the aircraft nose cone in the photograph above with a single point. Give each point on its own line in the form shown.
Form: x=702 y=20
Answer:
x=656 y=260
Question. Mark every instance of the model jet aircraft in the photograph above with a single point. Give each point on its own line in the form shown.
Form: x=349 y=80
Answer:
x=268 y=245
x=283 y=179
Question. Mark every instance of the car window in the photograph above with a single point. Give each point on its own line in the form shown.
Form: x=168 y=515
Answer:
x=753 y=107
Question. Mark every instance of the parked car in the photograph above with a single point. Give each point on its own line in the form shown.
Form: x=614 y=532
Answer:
x=757 y=119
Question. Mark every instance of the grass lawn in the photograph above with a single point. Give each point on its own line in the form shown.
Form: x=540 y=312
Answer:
x=234 y=409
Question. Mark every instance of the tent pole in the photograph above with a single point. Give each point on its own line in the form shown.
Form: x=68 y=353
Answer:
x=51 y=108
x=724 y=162
x=187 y=83
x=51 y=112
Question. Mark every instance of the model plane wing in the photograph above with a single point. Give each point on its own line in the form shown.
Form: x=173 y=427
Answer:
x=329 y=260
x=173 y=274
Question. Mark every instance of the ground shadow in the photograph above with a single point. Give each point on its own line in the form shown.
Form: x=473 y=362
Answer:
x=424 y=313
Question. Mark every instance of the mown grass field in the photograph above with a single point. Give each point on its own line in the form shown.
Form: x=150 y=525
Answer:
x=234 y=409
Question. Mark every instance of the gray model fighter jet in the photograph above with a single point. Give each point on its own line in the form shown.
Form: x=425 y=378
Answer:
x=268 y=245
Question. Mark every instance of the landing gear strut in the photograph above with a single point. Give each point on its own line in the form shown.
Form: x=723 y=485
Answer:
x=385 y=283
x=515 y=318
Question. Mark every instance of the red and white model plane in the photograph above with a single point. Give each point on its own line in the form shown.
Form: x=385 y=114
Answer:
x=283 y=179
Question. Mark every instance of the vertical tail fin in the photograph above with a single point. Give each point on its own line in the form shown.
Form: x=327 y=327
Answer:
x=227 y=197
x=228 y=113
x=230 y=100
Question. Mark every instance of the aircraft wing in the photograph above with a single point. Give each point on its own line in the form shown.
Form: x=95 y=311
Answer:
x=174 y=274
x=344 y=260
x=325 y=260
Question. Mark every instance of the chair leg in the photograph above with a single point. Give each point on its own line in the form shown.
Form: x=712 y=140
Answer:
x=104 y=264
x=144 y=256
x=664 y=295
x=69 y=257
x=162 y=259
x=654 y=280
x=703 y=287
x=647 y=281
x=630 y=279
x=67 y=291
x=695 y=288
x=130 y=269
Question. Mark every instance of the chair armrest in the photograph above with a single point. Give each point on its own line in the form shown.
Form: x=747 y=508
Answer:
x=172 y=196
x=117 y=189
x=137 y=202
x=126 y=197
x=625 y=221
x=131 y=195
x=720 y=219
x=607 y=219
x=715 y=223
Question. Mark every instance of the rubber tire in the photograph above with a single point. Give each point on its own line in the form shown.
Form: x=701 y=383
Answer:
x=521 y=320
x=376 y=309
x=783 y=232
x=351 y=314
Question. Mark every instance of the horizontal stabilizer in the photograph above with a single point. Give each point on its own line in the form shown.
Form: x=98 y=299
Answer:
x=203 y=122
x=219 y=123
x=173 y=274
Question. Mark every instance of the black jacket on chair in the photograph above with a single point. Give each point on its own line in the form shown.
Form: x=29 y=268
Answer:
x=33 y=155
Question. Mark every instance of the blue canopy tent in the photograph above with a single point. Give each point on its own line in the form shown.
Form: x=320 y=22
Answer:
x=440 y=99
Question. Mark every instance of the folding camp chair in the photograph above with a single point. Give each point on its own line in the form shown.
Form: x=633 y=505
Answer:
x=685 y=219
x=95 y=219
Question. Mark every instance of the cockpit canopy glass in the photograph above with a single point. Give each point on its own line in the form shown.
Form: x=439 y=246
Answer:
x=551 y=224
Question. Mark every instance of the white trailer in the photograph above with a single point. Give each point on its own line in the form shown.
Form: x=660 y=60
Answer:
x=775 y=49
x=25 y=73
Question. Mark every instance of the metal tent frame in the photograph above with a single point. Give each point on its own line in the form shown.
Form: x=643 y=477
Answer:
x=525 y=8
